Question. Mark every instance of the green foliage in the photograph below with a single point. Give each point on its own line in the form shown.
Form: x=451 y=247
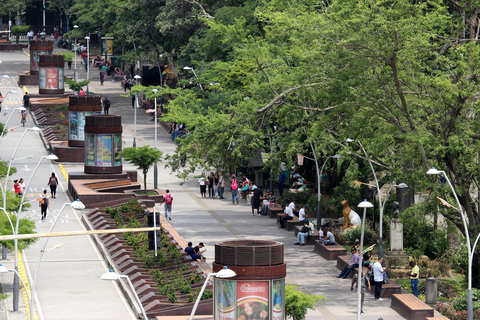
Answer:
x=20 y=29
x=76 y=86
x=142 y=157
x=26 y=226
x=3 y=296
x=352 y=234
x=460 y=304
x=297 y=303
x=419 y=233
x=4 y=164
x=13 y=202
x=67 y=56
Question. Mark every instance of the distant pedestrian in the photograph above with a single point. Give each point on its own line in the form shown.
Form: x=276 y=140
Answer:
x=53 y=183
x=257 y=194
x=133 y=100
x=26 y=100
x=414 y=278
x=23 y=187
x=1 y=100
x=81 y=92
x=365 y=283
x=102 y=77
x=234 y=188
x=16 y=187
x=106 y=105
x=378 y=271
x=168 y=199
x=203 y=186
x=44 y=204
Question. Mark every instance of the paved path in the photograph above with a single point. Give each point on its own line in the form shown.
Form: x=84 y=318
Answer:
x=69 y=276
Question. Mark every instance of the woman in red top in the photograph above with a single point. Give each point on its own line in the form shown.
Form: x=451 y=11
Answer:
x=17 y=188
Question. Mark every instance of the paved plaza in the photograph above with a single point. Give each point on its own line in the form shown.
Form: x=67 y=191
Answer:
x=69 y=284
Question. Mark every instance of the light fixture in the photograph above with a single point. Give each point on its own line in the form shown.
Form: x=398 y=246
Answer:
x=434 y=171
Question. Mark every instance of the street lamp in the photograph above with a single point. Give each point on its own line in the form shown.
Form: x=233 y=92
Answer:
x=319 y=180
x=434 y=171
x=115 y=276
x=5 y=270
x=380 y=235
x=155 y=170
x=136 y=77
x=223 y=274
x=75 y=205
x=364 y=204
x=16 y=289
x=22 y=108
x=189 y=68
x=88 y=59
x=75 y=55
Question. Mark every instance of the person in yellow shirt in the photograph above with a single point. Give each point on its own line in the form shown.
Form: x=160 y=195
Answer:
x=414 y=277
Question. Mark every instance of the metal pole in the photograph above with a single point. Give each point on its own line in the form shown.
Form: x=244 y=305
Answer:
x=155 y=226
x=135 y=121
x=155 y=169
x=75 y=55
x=135 y=294
x=359 y=275
x=88 y=62
x=43 y=15
x=200 y=295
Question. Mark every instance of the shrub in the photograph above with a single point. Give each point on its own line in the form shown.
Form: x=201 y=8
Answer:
x=172 y=298
x=460 y=304
x=355 y=233
x=297 y=303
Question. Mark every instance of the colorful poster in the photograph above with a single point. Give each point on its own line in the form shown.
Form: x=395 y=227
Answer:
x=73 y=126
x=103 y=150
x=278 y=299
x=252 y=300
x=117 y=148
x=61 y=82
x=90 y=150
x=42 y=78
x=225 y=299
x=52 y=78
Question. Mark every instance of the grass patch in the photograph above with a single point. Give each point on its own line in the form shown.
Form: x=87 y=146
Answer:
x=3 y=296
x=148 y=193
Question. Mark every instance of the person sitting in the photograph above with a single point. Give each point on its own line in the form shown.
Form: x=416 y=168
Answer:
x=301 y=214
x=366 y=258
x=269 y=198
x=245 y=188
x=306 y=231
x=354 y=260
x=321 y=235
x=329 y=237
x=195 y=252
x=189 y=249
x=288 y=215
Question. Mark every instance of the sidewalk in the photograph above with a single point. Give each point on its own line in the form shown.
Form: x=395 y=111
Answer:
x=196 y=219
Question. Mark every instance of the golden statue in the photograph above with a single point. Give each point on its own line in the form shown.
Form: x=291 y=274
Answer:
x=352 y=219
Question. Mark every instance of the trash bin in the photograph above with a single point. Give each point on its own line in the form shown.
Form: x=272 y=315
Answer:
x=431 y=291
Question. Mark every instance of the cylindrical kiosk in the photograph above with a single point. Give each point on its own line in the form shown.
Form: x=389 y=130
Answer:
x=258 y=289
x=37 y=49
x=103 y=143
x=50 y=74
x=78 y=108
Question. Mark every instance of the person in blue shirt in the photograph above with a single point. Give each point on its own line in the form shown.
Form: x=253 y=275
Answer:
x=282 y=178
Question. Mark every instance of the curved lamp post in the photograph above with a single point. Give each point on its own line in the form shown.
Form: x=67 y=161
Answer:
x=189 y=68
x=223 y=274
x=22 y=108
x=75 y=55
x=75 y=205
x=16 y=289
x=88 y=60
x=136 y=77
x=115 y=276
x=364 y=204
x=155 y=170
x=434 y=171
x=5 y=270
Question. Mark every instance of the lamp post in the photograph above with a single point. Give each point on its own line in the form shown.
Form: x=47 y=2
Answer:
x=380 y=235
x=5 y=270
x=319 y=181
x=189 y=68
x=115 y=276
x=223 y=274
x=136 y=77
x=364 y=204
x=16 y=289
x=434 y=171
x=155 y=169
x=75 y=205
x=88 y=60
x=22 y=108
x=75 y=55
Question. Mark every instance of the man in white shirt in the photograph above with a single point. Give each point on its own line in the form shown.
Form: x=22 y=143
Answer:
x=288 y=215
x=292 y=206
x=378 y=271
x=301 y=214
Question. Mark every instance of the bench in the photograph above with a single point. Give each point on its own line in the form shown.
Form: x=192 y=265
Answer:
x=411 y=307
x=330 y=252
x=109 y=185
x=388 y=289
x=310 y=239
x=272 y=212
x=436 y=318
x=291 y=224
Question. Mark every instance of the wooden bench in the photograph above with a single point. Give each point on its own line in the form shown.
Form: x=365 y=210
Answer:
x=110 y=185
x=411 y=307
x=272 y=212
x=436 y=318
x=308 y=240
x=330 y=252
x=388 y=289
x=291 y=224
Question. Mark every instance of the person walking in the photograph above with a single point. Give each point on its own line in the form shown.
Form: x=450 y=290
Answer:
x=211 y=185
x=167 y=199
x=414 y=278
x=23 y=187
x=203 y=187
x=26 y=100
x=365 y=283
x=102 y=77
x=44 y=204
x=220 y=187
x=234 y=189
x=53 y=183
x=106 y=105
x=378 y=271
x=1 y=100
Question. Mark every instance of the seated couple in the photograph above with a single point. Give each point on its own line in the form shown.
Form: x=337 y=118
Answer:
x=195 y=252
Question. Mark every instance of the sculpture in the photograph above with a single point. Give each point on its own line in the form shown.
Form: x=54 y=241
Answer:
x=352 y=219
x=396 y=209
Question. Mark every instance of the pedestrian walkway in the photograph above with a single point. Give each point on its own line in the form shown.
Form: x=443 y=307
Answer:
x=69 y=278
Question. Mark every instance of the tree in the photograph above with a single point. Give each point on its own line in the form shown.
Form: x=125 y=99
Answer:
x=297 y=303
x=143 y=158
x=76 y=86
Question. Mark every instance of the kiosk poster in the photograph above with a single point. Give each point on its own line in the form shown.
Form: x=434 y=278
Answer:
x=61 y=82
x=73 y=126
x=42 y=76
x=104 y=150
x=90 y=150
x=252 y=300
x=52 y=78
x=225 y=299
x=278 y=299
x=117 y=148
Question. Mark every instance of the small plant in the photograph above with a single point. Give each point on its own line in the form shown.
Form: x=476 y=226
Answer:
x=172 y=298
x=207 y=294
x=297 y=303
x=196 y=278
